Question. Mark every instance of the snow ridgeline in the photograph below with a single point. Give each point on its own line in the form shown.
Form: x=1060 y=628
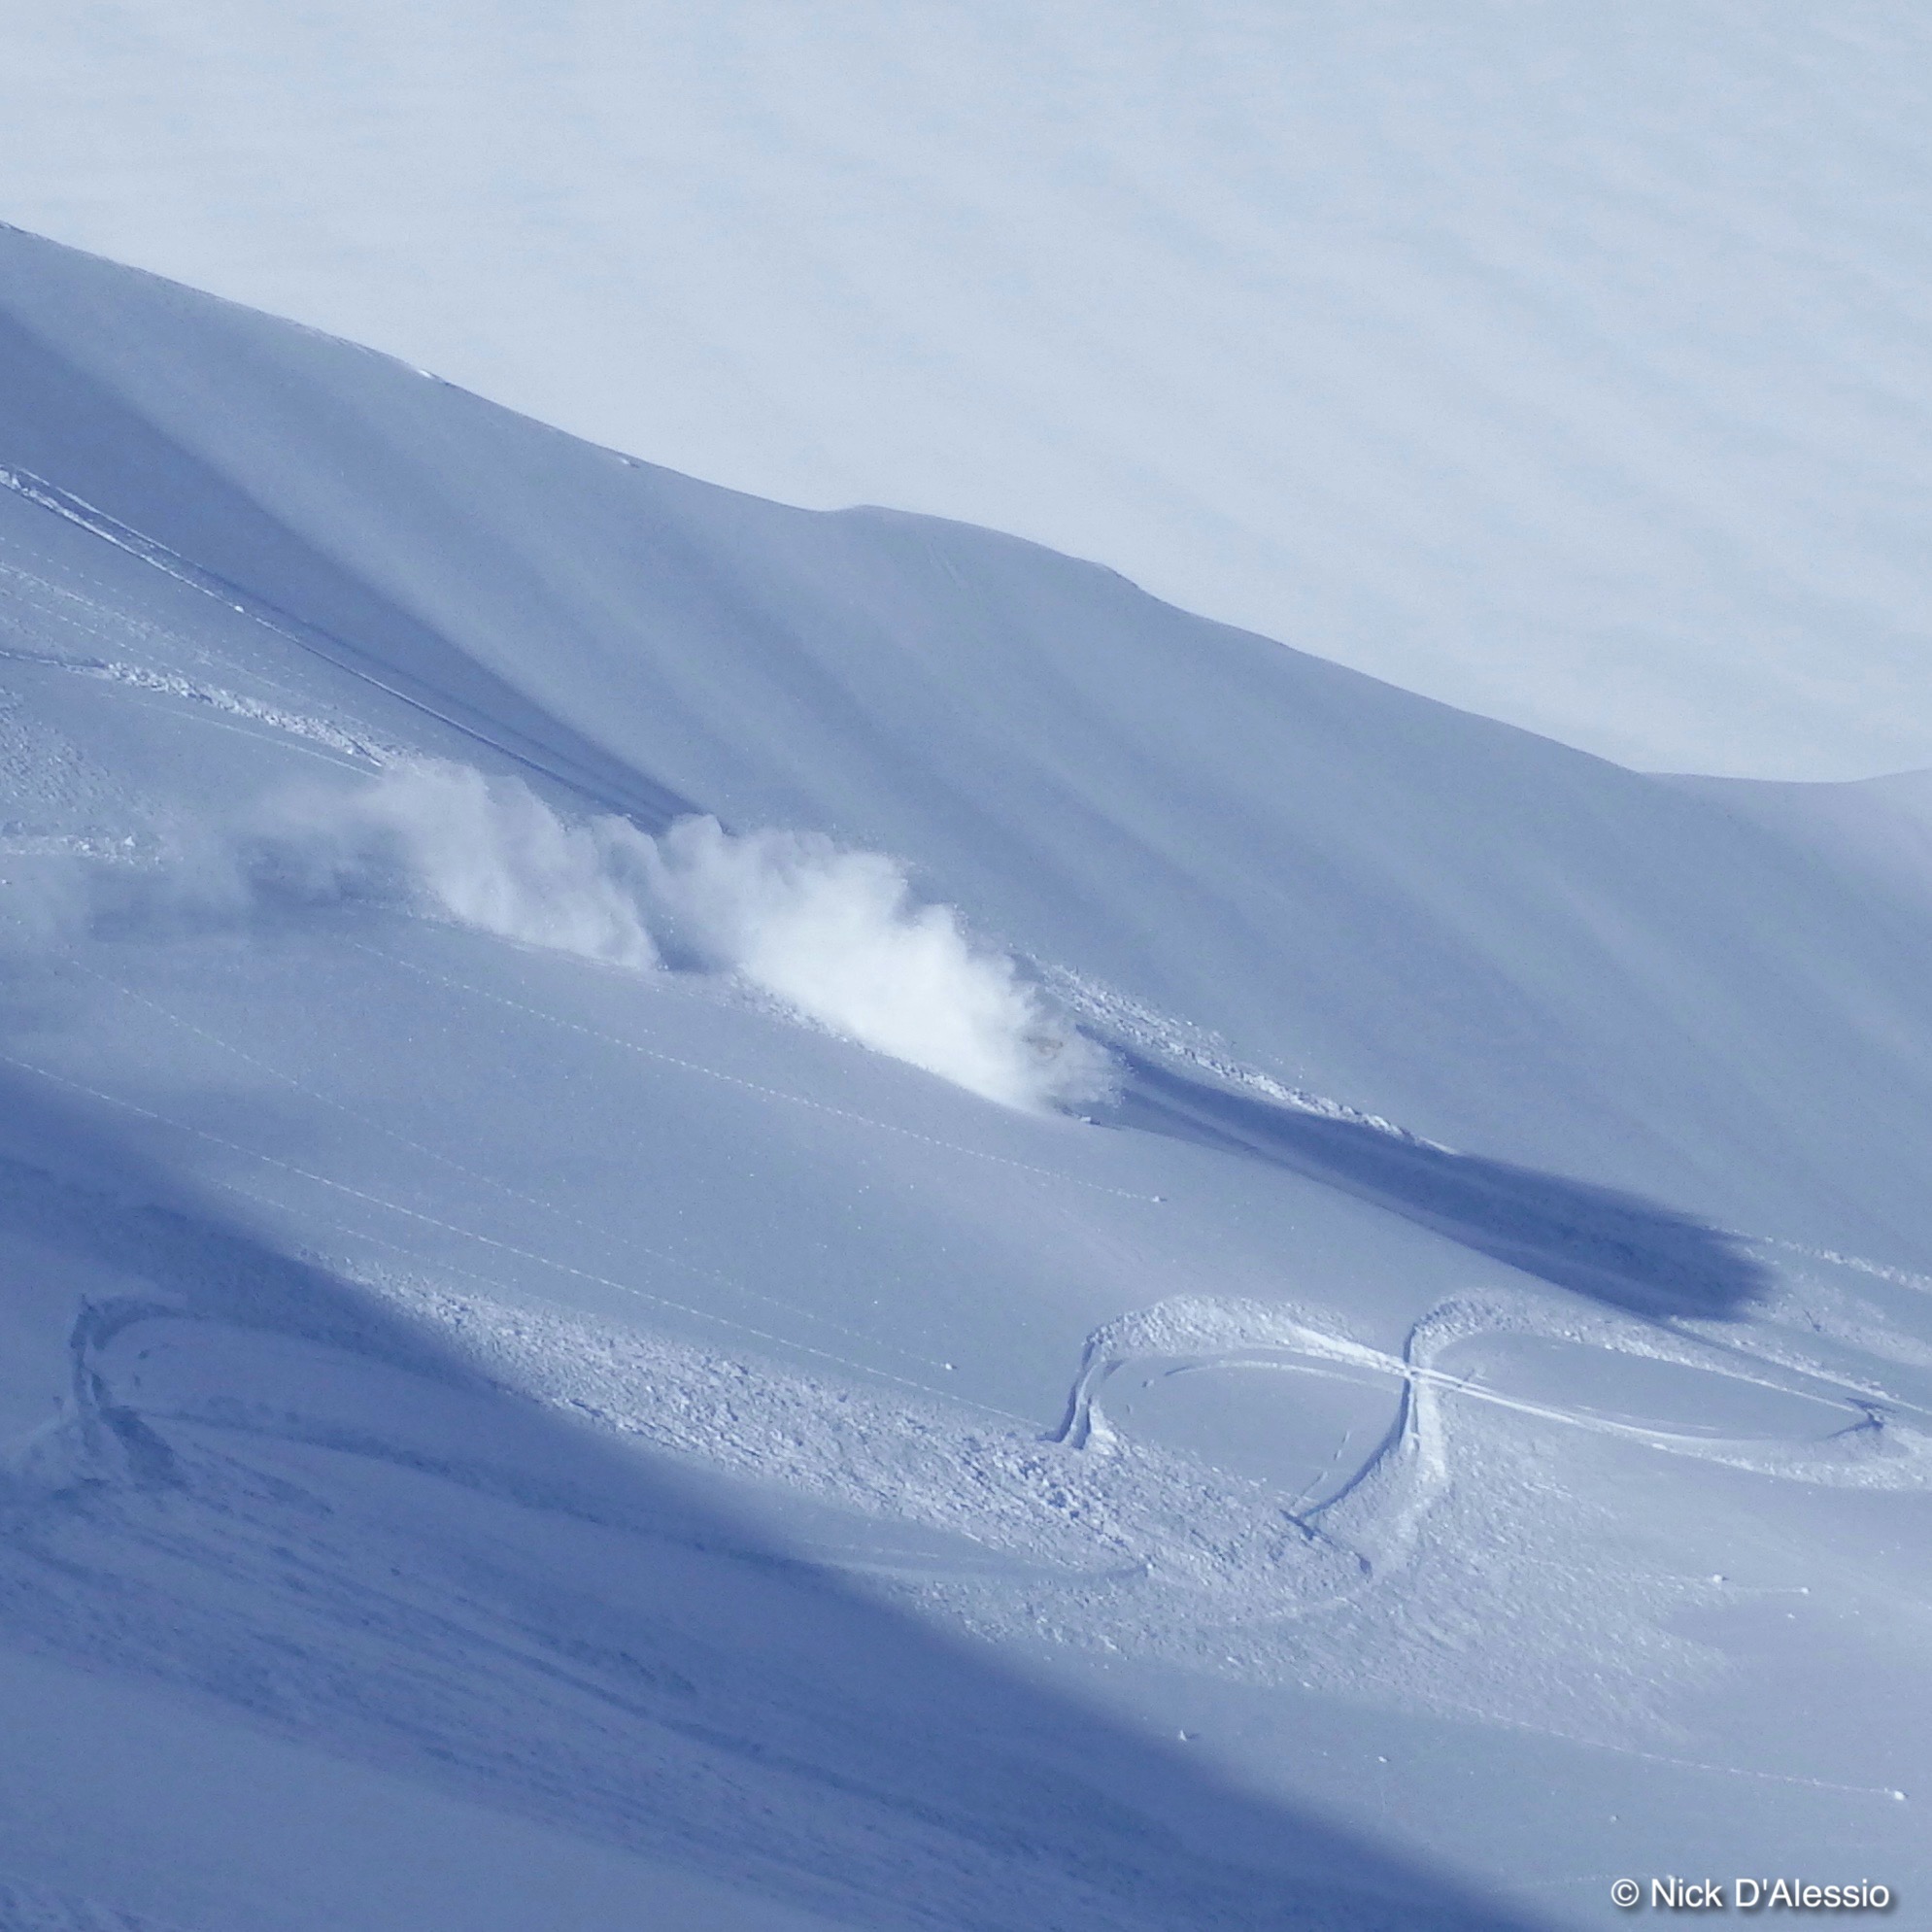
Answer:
x=833 y=933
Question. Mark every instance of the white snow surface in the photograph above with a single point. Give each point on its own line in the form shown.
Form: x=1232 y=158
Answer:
x=719 y=1215
x=1568 y=363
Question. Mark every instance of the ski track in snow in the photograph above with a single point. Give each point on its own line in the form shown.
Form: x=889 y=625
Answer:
x=362 y=751
x=268 y=1487
x=99 y=613
x=1086 y=1536
x=1275 y=1563
x=509 y=1248
x=499 y=1186
x=1289 y=1342
x=243 y=603
x=1446 y=1569
x=1272 y=1563
x=357 y=754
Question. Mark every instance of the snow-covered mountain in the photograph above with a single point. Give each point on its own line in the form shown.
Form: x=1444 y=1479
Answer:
x=717 y=1215
x=1565 y=362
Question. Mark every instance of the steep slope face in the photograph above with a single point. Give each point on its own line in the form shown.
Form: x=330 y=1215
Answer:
x=1509 y=947
x=474 y=1352
x=1568 y=365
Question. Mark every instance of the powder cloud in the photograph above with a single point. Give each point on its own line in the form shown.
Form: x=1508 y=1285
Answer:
x=836 y=934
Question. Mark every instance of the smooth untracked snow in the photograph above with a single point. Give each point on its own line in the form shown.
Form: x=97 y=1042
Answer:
x=503 y=1322
x=1567 y=363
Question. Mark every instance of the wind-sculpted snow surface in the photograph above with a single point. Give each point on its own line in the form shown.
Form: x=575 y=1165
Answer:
x=502 y=1425
x=833 y=933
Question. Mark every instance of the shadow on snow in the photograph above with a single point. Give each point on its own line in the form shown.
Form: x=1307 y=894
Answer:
x=449 y=1581
x=1615 y=1247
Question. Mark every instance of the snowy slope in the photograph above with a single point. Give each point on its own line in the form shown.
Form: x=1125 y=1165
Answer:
x=1566 y=363
x=513 y=1353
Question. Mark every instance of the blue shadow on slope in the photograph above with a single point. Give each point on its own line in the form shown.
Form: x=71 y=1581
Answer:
x=127 y=482
x=1612 y=1247
x=282 y=1493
